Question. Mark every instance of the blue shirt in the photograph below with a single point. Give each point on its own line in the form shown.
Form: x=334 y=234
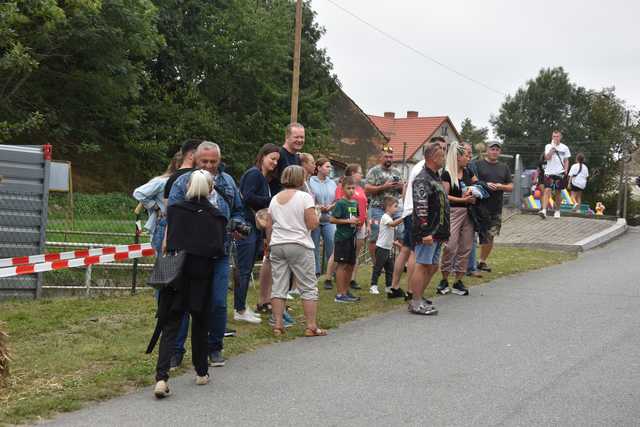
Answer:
x=324 y=193
x=229 y=203
x=150 y=195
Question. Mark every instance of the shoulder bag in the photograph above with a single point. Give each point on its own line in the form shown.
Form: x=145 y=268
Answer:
x=167 y=270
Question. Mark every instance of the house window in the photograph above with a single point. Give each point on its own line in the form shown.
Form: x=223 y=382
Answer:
x=444 y=130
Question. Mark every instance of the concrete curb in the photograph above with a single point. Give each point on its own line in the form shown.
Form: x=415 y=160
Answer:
x=598 y=239
x=617 y=229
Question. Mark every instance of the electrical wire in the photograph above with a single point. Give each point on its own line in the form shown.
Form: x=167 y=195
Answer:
x=424 y=55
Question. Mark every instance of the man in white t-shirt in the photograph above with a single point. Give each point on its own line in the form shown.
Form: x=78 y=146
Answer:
x=557 y=157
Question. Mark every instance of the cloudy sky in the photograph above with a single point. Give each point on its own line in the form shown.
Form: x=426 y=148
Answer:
x=497 y=42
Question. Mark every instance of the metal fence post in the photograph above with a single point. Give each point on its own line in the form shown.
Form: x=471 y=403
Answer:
x=136 y=240
x=516 y=193
x=87 y=279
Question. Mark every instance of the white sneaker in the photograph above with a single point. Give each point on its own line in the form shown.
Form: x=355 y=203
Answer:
x=161 y=389
x=202 y=380
x=374 y=290
x=556 y=214
x=246 y=317
x=543 y=213
x=388 y=289
x=253 y=313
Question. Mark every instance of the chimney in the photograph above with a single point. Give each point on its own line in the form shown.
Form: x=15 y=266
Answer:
x=411 y=114
x=390 y=114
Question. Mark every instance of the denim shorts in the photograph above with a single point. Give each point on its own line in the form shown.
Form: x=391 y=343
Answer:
x=407 y=236
x=428 y=254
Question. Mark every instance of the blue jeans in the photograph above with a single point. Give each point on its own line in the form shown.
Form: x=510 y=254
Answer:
x=471 y=265
x=328 y=231
x=247 y=250
x=158 y=235
x=218 y=315
x=374 y=219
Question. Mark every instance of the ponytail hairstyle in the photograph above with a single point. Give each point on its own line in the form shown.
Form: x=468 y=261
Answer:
x=200 y=185
x=321 y=161
x=580 y=159
x=455 y=149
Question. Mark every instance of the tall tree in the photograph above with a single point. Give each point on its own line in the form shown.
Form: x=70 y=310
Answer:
x=473 y=134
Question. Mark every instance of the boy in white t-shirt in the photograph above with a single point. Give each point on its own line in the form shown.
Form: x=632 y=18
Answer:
x=384 y=245
x=557 y=157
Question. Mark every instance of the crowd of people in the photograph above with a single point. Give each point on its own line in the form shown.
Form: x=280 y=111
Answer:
x=292 y=217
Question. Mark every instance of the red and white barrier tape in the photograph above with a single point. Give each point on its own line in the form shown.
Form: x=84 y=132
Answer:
x=78 y=262
x=83 y=253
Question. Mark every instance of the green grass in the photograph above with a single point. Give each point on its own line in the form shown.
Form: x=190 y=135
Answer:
x=71 y=351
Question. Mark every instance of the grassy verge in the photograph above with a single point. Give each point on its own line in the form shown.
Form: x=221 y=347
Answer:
x=67 y=352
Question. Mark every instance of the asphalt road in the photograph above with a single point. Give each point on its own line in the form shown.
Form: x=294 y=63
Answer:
x=559 y=346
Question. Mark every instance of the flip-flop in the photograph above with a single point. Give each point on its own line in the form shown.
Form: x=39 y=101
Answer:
x=278 y=332
x=315 y=332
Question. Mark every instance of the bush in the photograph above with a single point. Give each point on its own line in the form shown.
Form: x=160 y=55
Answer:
x=94 y=206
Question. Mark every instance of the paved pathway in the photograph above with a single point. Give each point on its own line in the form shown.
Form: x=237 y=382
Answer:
x=533 y=230
x=555 y=347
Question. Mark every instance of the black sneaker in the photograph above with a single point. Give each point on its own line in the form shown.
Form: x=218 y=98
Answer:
x=350 y=295
x=459 y=288
x=443 y=287
x=176 y=361
x=216 y=359
x=396 y=293
x=328 y=285
x=354 y=285
x=229 y=333
x=484 y=267
x=408 y=296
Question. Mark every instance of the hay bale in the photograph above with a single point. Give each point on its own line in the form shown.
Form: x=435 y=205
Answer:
x=4 y=353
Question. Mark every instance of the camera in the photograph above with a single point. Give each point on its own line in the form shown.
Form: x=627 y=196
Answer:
x=240 y=227
x=395 y=178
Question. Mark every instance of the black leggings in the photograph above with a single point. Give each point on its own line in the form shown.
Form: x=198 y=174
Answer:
x=199 y=335
x=384 y=260
x=172 y=306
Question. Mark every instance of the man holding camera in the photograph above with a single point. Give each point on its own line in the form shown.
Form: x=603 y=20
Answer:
x=226 y=197
x=383 y=180
x=556 y=169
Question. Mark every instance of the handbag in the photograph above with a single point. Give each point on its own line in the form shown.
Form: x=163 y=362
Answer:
x=167 y=270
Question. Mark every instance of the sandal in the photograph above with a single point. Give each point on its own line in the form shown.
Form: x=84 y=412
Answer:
x=263 y=308
x=278 y=332
x=315 y=332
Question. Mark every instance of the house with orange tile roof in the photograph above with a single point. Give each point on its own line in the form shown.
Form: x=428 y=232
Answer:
x=408 y=134
x=357 y=137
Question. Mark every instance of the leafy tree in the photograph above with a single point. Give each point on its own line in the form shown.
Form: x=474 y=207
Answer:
x=591 y=122
x=472 y=134
x=226 y=67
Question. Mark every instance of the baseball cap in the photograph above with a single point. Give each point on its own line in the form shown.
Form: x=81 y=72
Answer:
x=494 y=143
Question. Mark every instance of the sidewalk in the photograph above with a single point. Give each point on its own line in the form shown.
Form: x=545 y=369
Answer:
x=565 y=233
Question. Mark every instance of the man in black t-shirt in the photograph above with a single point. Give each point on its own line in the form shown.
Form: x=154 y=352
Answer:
x=188 y=151
x=497 y=176
x=293 y=143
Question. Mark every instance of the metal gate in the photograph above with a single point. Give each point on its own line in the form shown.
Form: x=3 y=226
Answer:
x=24 y=196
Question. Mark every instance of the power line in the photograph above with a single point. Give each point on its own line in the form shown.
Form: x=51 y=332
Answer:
x=424 y=55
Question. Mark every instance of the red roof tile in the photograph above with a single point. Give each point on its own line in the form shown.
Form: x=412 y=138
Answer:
x=415 y=131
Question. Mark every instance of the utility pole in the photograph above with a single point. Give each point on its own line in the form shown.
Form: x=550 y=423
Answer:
x=295 y=87
x=621 y=211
